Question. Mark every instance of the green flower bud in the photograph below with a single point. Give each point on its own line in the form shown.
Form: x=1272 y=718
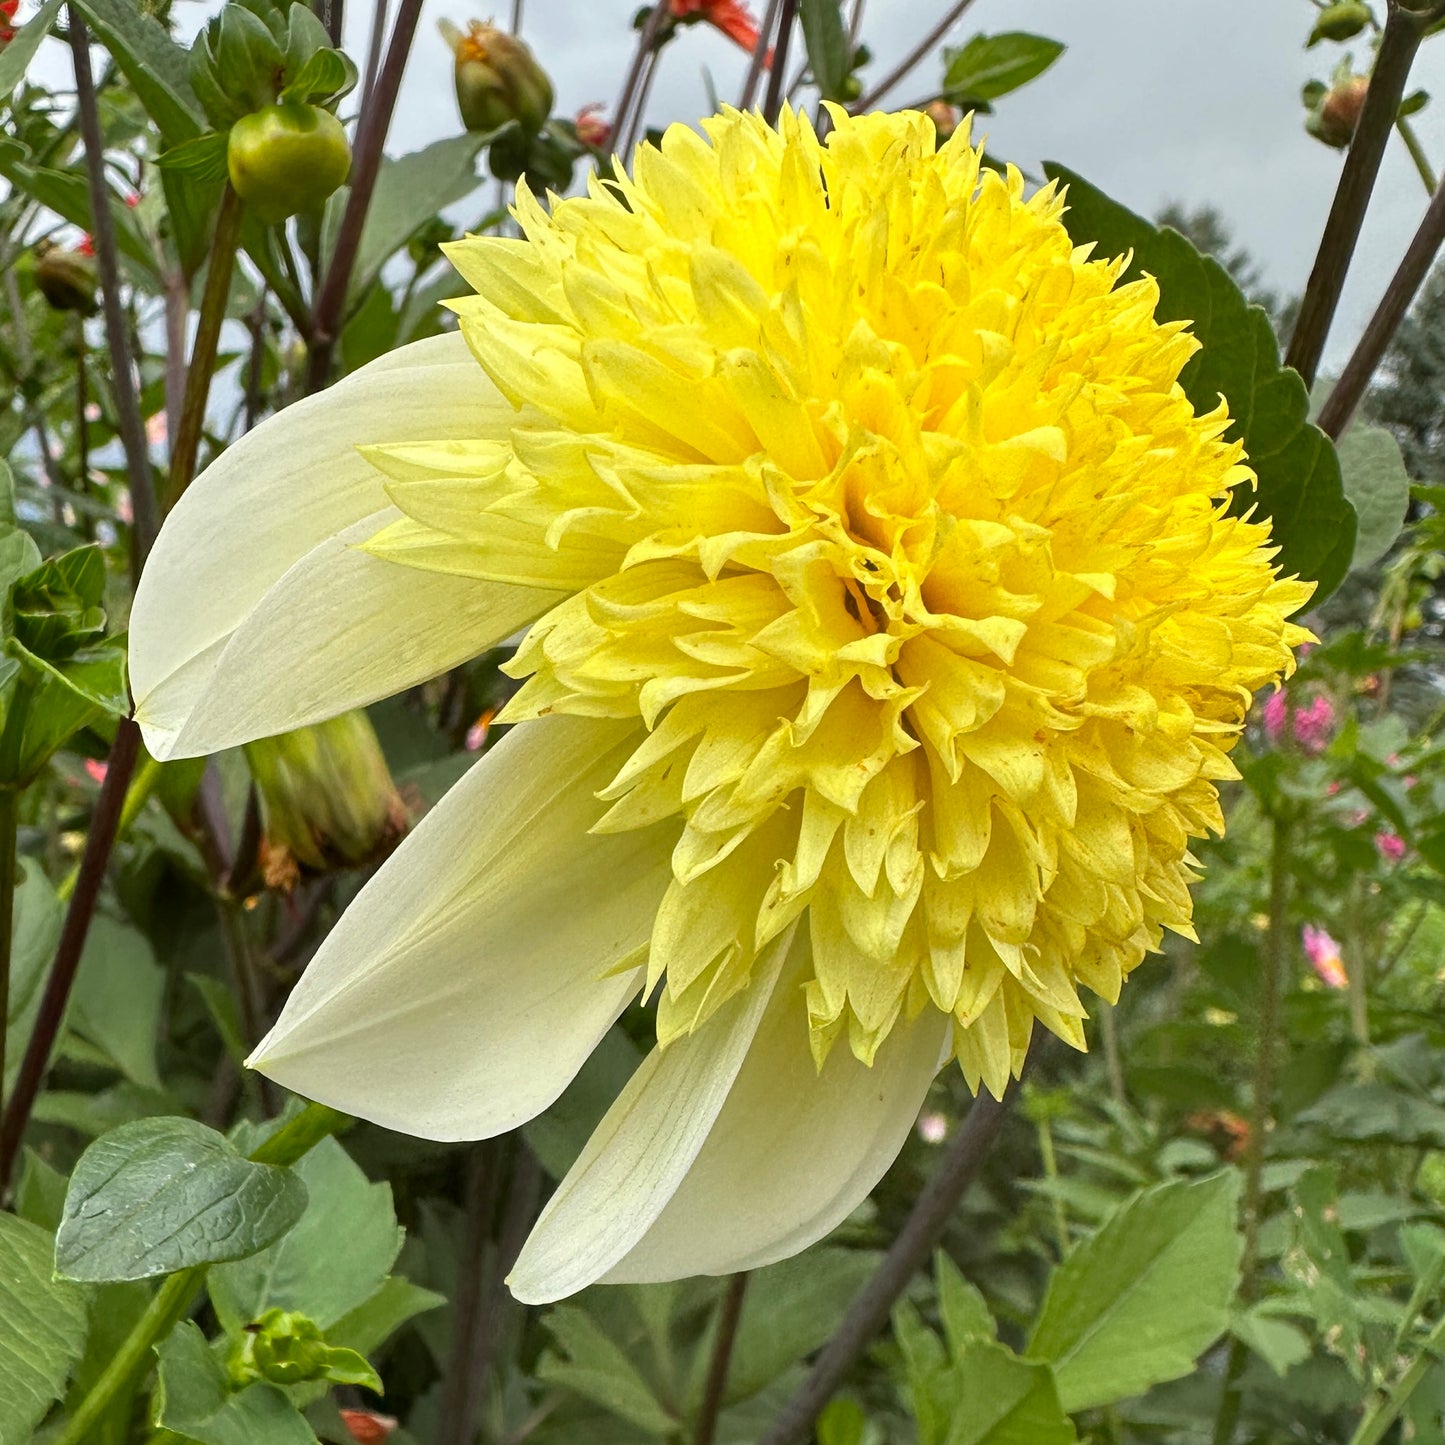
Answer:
x=327 y=799
x=287 y=158
x=287 y=1348
x=1341 y=21
x=498 y=79
x=66 y=279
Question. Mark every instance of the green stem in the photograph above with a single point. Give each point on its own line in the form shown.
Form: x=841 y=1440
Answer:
x=1417 y=153
x=9 y=823
x=187 y=444
x=1276 y=956
x=1113 y=1059
x=1383 y=1414
x=173 y=1300
x=1051 y=1173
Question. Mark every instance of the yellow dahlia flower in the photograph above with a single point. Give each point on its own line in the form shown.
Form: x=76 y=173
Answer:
x=888 y=636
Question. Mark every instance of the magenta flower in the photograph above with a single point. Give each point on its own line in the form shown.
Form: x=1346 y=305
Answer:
x=1324 y=956
x=1314 y=724
x=1391 y=845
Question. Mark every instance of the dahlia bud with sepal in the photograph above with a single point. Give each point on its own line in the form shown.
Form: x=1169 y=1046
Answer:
x=498 y=79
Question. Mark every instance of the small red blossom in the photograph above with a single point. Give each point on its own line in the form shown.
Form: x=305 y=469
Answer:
x=730 y=16
x=95 y=769
x=86 y=246
x=366 y=1427
x=1391 y=845
x=592 y=130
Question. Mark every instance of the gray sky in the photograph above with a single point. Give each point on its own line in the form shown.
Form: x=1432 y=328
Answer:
x=1154 y=100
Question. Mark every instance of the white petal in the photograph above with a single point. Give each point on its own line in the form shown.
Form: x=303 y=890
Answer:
x=288 y=487
x=340 y=629
x=465 y=985
x=641 y=1151
x=794 y=1151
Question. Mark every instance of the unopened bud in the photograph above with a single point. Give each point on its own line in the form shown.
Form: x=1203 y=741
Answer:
x=498 y=79
x=327 y=799
x=592 y=130
x=1339 y=112
x=1341 y=21
x=287 y=1348
x=67 y=279
x=944 y=118
x=285 y=159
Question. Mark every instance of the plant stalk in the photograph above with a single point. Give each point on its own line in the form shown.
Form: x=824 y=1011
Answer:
x=1403 y=31
x=145 y=516
x=1276 y=958
x=912 y=1249
x=1423 y=167
x=186 y=444
x=760 y=55
x=329 y=312
x=104 y=824
x=1383 y=1414
x=729 y=1313
x=921 y=51
x=773 y=103
x=1340 y=406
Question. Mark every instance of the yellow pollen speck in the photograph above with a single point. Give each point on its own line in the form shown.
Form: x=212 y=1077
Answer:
x=879 y=506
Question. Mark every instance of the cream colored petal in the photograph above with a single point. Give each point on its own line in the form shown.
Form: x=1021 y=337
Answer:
x=340 y=629
x=282 y=490
x=469 y=980
x=642 y=1149
x=794 y=1151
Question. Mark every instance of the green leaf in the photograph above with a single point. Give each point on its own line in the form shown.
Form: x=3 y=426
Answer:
x=830 y=57
x=199 y=160
x=1376 y=483
x=964 y=1311
x=334 y=1260
x=42 y=1329
x=375 y=1320
x=325 y=74
x=36 y=931
x=117 y=999
x=1299 y=474
x=596 y=1367
x=409 y=191
x=1278 y=1343
x=1137 y=1303
x=163 y=1194
x=791 y=1308
x=992 y=65
x=1004 y=1400
x=195 y=1400
x=16 y=57
x=151 y=61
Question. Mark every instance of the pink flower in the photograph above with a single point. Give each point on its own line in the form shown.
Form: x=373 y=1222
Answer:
x=592 y=130
x=1276 y=716
x=96 y=769
x=1314 y=724
x=1324 y=956
x=1391 y=845
x=477 y=733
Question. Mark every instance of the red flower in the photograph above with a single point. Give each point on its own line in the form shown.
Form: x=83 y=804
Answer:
x=8 y=8
x=592 y=130
x=730 y=16
x=367 y=1427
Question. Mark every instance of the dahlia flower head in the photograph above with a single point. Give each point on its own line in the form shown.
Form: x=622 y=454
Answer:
x=887 y=634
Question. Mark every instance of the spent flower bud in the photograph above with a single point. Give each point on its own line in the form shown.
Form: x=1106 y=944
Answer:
x=67 y=279
x=1334 y=121
x=498 y=79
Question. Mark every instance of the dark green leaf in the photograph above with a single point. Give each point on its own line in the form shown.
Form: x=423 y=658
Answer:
x=1006 y=1401
x=42 y=1329
x=117 y=999
x=373 y=1321
x=38 y=914
x=16 y=57
x=595 y=1366
x=1137 y=1303
x=992 y=65
x=164 y=1194
x=1299 y=474
x=830 y=56
x=195 y=1399
x=151 y=61
x=334 y=1260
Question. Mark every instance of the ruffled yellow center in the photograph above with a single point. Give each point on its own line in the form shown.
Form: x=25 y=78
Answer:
x=879 y=504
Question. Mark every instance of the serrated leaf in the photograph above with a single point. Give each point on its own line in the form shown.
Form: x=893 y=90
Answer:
x=1300 y=488
x=151 y=61
x=333 y=1260
x=1004 y=1400
x=195 y=1399
x=1136 y=1304
x=163 y=1194
x=990 y=66
x=16 y=57
x=42 y=1329
x=1378 y=487
x=830 y=56
x=595 y=1366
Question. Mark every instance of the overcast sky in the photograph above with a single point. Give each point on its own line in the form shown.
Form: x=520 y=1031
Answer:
x=1154 y=100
